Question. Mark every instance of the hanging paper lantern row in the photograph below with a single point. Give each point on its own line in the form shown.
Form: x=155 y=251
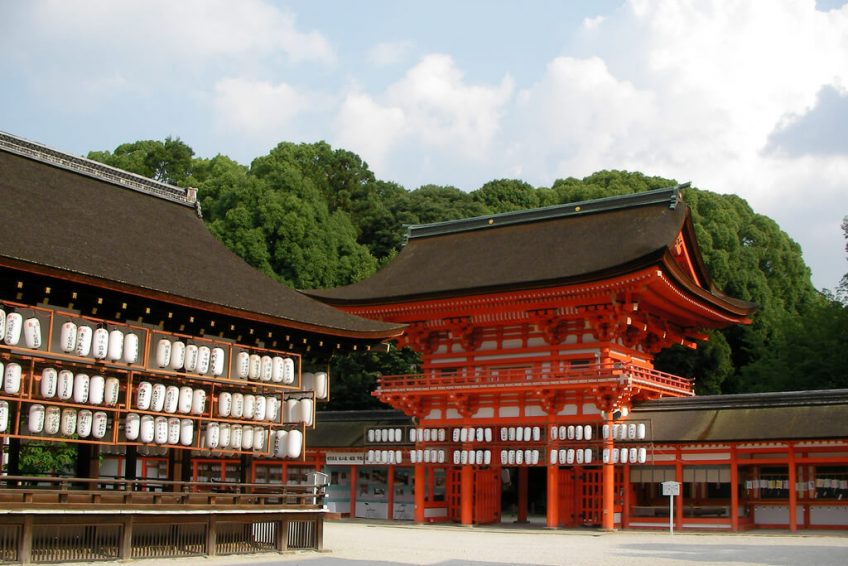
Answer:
x=625 y=455
x=275 y=369
x=571 y=432
x=251 y=407
x=52 y=420
x=529 y=457
x=571 y=456
x=472 y=434
x=622 y=431
x=177 y=356
x=299 y=411
x=316 y=382
x=386 y=435
x=472 y=457
x=287 y=444
x=226 y=436
x=427 y=435
x=521 y=434
x=170 y=399
x=392 y=456
x=160 y=430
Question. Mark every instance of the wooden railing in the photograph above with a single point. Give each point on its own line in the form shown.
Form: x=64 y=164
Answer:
x=574 y=377
x=29 y=492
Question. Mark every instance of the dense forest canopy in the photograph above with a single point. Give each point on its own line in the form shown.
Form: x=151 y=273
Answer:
x=312 y=216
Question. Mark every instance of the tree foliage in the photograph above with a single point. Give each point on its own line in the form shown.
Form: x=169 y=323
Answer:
x=313 y=216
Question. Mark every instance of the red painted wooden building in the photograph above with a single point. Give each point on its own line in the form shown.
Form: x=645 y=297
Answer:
x=538 y=331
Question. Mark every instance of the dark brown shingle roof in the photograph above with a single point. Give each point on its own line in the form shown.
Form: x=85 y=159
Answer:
x=764 y=416
x=60 y=216
x=559 y=245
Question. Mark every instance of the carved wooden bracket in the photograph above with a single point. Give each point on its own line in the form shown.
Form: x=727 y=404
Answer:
x=464 y=404
x=420 y=338
x=463 y=329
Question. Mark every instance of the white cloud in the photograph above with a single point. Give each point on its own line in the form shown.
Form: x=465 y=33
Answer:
x=432 y=107
x=256 y=107
x=389 y=53
x=592 y=24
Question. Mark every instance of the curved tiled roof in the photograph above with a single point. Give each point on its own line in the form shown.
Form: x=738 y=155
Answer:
x=74 y=216
x=560 y=245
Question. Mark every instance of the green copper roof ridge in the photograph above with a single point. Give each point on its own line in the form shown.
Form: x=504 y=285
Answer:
x=669 y=195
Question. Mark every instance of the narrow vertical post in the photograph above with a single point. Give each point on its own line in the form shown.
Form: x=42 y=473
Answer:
x=678 y=477
x=212 y=536
x=522 y=495
x=125 y=552
x=793 y=494
x=608 y=515
x=25 y=542
x=353 y=475
x=466 y=495
x=734 y=491
x=420 y=483
x=553 y=496
x=625 y=505
x=390 y=512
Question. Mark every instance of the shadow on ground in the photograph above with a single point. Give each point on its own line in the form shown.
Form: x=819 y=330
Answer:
x=776 y=555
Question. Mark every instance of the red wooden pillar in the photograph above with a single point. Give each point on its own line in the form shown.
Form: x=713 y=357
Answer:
x=522 y=495
x=553 y=496
x=734 y=492
x=420 y=488
x=678 y=477
x=390 y=513
x=608 y=514
x=625 y=505
x=793 y=494
x=353 y=476
x=466 y=495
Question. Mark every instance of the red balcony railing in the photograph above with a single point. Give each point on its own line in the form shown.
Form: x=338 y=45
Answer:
x=574 y=378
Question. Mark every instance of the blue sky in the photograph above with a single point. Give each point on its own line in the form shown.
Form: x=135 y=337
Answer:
x=737 y=97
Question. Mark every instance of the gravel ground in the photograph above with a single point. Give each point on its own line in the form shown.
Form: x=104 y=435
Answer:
x=380 y=544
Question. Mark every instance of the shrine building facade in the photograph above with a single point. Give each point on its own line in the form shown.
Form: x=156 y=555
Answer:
x=538 y=330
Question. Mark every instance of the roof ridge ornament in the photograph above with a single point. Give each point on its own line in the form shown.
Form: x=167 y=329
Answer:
x=32 y=150
x=670 y=196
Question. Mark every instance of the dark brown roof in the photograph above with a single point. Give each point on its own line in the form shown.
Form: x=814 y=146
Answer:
x=559 y=245
x=764 y=416
x=74 y=216
x=346 y=429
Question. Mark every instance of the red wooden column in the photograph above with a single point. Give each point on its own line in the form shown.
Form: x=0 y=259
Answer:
x=466 y=495
x=734 y=491
x=608 y=515
x=793 y=493
x=553 y=496
x=390 y=513
x=420 y=489
x=522 y=495
x=353 y=476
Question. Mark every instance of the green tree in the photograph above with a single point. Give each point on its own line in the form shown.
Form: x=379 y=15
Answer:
x=47 y=458
x=169 y=161
x=355 y=376
x=507 y=195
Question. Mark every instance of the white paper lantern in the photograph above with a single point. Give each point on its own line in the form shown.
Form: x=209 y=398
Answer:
x=173 y=430
x=163 y=353
x=289 y=375
x=563 y=453
x=238 y=406
x=225 y=435
x=65 y=385
x=578 y=432
x=81 y=383
x=255 y=368
x=12 y=378
x=68 y=337
x=172 y=399
x=510 y=457
x=186 y=432
x=578 y=456
x=456 y=457
x=391 y=434
x=623 y=455
x=100 y=344
x=84 y=421
x=632 y=455
x=115 y=350
x=14 y=324
x=186 y=398
x=587 y=455
x=2 y=324
x=293 y=411
x=519 y=457
x=631 y=431
x=157 y=397
x=511 y=433
x=554 y=434
x=133 y=426
x=84 y=336
x=295 y=443
x=99 y=423
x=35 y=423
x=321 y=385
x=479 y=434
x=32 y=333
x=519 y=434
x=49 y=381
x=247 y=437
x=259 y=438
x=569 y=456
x=570 y=432
x=281 y=444
x=198 y=402
x=96 y=389
x=537 y=434
x=528 y=456
x=235 y=437
x=191 y=355
x=606 y=456
x=442 y=435
x=272 y=410
x=160 y=430
x=266 y=369
x=204 y=355
x=178 y=351
x=249 y=406
x=278 y=369
x=306 y=411
x=212 y=435
x=472 y=457
x=111 y=391
x=217 y=361
x=587 y=432
x=552 y=458
x=371 y=434
x=643 y=455
x=640 y=431
x=242 y=365
x=225 y=404
x=52 y=420
x=69 y=422
x=130 y=348
x=479 y=458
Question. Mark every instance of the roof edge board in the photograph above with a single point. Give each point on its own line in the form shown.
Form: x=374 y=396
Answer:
x=670 y=196
x=747 y=400
x=80 y=165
